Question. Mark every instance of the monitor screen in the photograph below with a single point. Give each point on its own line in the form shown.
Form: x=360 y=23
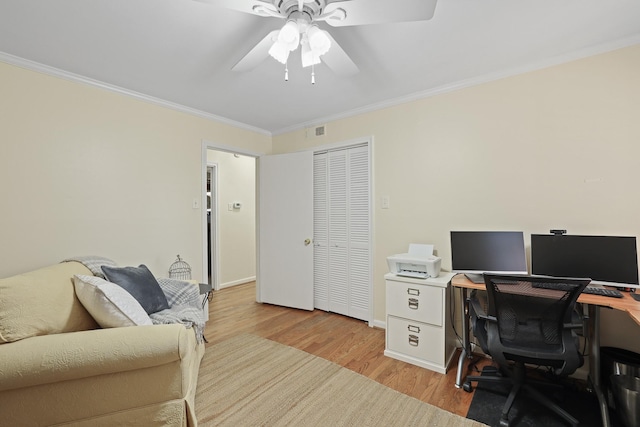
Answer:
x=477 y=252
x=607 y=260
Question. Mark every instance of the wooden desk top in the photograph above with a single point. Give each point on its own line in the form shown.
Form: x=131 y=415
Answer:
x=626 y=303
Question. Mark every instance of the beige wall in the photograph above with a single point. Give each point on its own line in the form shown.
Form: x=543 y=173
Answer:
x=555 y=148
x=87 y=171
x=237 y=227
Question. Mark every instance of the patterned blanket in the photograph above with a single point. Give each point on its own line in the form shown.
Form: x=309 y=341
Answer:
x=93 y=263
x=183 y=297
x=184 y=306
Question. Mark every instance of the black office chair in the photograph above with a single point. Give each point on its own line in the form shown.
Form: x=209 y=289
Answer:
x=528 y=320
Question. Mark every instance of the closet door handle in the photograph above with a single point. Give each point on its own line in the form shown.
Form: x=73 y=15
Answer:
x=307 y=242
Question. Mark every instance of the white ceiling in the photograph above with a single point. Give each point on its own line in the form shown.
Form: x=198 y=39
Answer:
x=182 y=52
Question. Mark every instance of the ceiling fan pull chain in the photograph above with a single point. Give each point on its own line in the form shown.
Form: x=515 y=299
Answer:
x=286 y=72
x=313 y=74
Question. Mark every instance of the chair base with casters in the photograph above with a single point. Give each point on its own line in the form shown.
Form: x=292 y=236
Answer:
x=520 y=383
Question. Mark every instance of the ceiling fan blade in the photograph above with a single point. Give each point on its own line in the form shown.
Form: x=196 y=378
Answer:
x=338 y=60
x=259 y=53
x=248 y=6
x=360 y=12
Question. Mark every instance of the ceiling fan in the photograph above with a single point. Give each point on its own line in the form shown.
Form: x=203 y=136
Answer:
x=317 y=45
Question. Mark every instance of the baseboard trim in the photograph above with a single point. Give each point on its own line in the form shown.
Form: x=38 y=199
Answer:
x=238 y=282
x=379 y=324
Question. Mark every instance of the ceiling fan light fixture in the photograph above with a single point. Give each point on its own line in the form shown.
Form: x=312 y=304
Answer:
x=308 y=56
x=289 y=35
x=319 y=41
x=299 y=31
x=279 y=52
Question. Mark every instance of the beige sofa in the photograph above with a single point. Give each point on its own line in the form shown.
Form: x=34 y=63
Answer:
x=57 y=367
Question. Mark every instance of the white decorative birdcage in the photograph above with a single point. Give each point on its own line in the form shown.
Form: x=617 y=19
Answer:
x=180 y=270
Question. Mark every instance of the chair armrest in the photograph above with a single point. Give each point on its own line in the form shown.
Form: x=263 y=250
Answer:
x=478 y=309
x=578 y=319
x=573 y=325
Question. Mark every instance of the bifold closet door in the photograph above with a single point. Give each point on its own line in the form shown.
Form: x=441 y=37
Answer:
x=341 y=232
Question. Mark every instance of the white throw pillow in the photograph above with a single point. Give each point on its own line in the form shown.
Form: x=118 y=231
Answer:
x=109 y=304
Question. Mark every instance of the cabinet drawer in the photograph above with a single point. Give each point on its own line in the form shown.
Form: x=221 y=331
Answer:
x=420 y=302
x=415 y=339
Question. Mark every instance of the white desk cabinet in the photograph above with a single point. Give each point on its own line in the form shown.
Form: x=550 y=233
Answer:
x=419 y=329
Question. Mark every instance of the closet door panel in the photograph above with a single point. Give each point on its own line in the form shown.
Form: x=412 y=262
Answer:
x=338 y=230
x=338 y=233
x=359 y=283
x=320 y=233
x=358 y=189
x=338 y=280
x=358 y=217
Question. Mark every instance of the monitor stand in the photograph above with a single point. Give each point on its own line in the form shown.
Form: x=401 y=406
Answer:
x=475 y=278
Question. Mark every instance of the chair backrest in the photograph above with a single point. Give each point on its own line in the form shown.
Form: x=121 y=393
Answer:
x=530 y=320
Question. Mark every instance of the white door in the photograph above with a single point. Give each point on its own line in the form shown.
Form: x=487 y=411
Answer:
x=285 y=222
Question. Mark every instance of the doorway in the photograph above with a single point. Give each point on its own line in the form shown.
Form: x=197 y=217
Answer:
x=212 y=224
x=225 y=204
x=229 y=220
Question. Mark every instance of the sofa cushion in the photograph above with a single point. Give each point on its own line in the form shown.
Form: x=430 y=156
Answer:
x=42 y=302
x=111 y=305
x=140 y=283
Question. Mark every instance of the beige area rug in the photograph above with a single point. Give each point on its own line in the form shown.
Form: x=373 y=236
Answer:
x=252 y=381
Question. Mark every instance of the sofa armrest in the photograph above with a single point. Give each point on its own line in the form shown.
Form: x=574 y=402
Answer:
x=59 y=357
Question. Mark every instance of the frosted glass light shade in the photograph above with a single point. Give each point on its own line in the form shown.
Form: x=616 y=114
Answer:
x=319 y=41
x=280 y=52
x=289 y=35
x=308 y=57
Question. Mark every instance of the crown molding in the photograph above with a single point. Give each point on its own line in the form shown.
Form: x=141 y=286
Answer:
x=56 y=72
x=550 y=62
x=557 y=60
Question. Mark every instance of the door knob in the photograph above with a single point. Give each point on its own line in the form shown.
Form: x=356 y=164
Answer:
x=307 y=242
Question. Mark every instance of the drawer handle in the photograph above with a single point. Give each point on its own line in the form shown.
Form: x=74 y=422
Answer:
x=413 y=303
x=412 y=328
x=415 y=292
x=413 y=340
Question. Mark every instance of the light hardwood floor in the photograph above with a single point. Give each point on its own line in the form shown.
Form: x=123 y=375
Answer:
x=348 y=342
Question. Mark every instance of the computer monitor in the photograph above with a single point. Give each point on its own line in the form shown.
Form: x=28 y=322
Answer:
x=606 y=260
x=477 y=252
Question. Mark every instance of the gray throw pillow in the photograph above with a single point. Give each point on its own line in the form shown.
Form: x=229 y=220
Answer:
x=141 y=284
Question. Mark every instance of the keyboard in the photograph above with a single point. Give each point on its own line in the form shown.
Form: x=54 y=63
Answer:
x=593 y=290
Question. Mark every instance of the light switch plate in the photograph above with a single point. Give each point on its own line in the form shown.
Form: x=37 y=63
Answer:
x=385 y=202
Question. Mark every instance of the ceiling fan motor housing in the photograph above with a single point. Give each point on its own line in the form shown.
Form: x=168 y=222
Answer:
x=312 y=8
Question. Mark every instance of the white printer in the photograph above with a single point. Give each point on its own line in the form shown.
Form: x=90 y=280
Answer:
x=419 y=262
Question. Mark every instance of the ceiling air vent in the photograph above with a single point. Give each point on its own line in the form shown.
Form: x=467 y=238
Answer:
x=319 y=131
